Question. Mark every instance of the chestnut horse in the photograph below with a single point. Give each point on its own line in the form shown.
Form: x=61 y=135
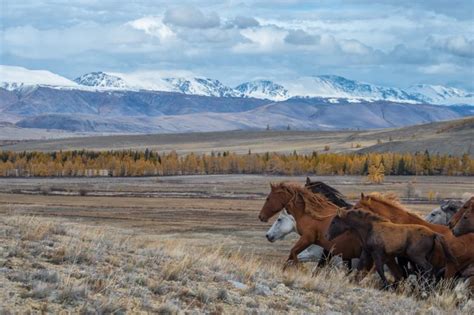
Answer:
x=396 y=213
x=312 y=213
x=383 y=240
x=465 y=224
x=464 y=208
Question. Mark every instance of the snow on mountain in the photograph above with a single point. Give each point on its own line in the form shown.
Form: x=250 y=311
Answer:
x=335 y=89
x=332 y=86
x=156 y=81
x=202 y=86
x=437 y=94
x=14 y=78
x=264 y=89
x=101 y=80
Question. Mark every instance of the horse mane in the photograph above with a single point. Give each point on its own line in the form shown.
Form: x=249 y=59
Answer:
x=392 y=200
x=367 y=215
x=331 y=193
x=312 y=201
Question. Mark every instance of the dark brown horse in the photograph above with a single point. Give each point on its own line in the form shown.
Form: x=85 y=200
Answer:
x=465 y=224
x=396 y=213
x=312 y=213
x=383 y=240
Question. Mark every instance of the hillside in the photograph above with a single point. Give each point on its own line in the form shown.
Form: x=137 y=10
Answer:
x=86 y=269
x=450 y=137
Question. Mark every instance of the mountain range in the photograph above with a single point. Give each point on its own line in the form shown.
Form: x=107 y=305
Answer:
x=152 y=103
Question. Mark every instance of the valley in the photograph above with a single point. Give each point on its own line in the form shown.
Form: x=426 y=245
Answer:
x=451 y=137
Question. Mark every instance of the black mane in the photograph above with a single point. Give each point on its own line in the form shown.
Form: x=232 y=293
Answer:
x=331 y=193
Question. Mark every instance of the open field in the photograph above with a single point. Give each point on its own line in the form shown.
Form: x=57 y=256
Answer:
x=193 y=207
x=163 y=243
x=451 y=137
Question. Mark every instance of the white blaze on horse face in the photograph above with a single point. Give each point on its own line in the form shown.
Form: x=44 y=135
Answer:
x=284 y=225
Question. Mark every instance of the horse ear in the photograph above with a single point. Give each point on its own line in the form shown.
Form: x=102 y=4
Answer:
x=272 y=186
x=308 y=180
x=362 y=195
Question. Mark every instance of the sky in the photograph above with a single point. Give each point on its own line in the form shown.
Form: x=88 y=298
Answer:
x=392 y=43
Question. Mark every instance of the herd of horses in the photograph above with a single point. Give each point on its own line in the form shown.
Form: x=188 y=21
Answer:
x=377 y=230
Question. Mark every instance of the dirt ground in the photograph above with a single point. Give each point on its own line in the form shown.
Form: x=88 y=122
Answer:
x=202 y=210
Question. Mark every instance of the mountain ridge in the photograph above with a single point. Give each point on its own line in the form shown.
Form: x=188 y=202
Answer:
x=327 y=86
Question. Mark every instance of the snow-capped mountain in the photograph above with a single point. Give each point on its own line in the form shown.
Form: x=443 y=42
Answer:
x=264 y=89
x=332 y=86
x=15 y=78
x=437 y=94
x=335 y=89
x=202 y=86
x=101 y=80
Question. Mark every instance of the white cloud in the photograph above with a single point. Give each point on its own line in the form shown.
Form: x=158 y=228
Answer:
x=456 y=45
x=264 y=39
x=153 y=26
x=189 y=16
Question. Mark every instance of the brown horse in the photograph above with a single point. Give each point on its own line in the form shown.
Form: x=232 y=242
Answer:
x=396 y=213
x=465 y=224
x=383 y=240
x=312 y=213
x=458 y=215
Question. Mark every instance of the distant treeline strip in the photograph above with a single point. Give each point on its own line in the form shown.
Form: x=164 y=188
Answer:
x=150 y=163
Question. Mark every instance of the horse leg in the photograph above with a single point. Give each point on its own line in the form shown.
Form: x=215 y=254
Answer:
x=299 y=246
x=325 y=258
x=379 y=262
x=364 y=265
x=403 y=263
x=348 y=263
x=395 y=269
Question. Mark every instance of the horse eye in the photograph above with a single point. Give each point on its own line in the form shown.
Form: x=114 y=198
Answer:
x=268 y=198
x=279 y=220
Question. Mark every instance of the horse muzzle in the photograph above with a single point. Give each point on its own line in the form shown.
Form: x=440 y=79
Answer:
x=270 y=238
x=263 y=218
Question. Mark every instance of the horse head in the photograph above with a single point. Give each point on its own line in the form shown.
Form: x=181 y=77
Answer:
x=277 y=199
x=443 y=213
x=458 y=215
x=284 y=225
x=465 y=224
x=338 y=225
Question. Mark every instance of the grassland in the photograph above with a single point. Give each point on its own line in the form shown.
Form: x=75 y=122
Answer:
x=450 y=137
x=187 y=243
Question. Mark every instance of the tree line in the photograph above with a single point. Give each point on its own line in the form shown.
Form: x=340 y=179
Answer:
x=153 y=163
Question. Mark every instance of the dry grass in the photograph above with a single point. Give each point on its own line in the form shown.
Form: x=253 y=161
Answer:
x=51 y=265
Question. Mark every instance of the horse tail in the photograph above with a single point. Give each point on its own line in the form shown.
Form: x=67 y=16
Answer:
x=446 y=250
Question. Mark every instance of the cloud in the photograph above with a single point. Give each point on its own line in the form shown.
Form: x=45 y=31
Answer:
x=300 y=37
x=389 y=42
x=456 y=45
x=244 y=22
x=442 y=68
x=190 y=17
x=153 y=26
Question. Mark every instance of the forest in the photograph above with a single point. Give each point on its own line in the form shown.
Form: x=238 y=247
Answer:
x=153 y=163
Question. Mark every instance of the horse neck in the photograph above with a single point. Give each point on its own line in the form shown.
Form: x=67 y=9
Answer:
x=361 y=227
x=296 y=209
x=401 y=216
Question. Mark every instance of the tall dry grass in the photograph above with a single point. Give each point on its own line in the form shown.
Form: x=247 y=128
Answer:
x=49 y=265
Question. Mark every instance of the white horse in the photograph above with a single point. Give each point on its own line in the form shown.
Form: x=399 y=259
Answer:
x=286 y=224
x=442 y=214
